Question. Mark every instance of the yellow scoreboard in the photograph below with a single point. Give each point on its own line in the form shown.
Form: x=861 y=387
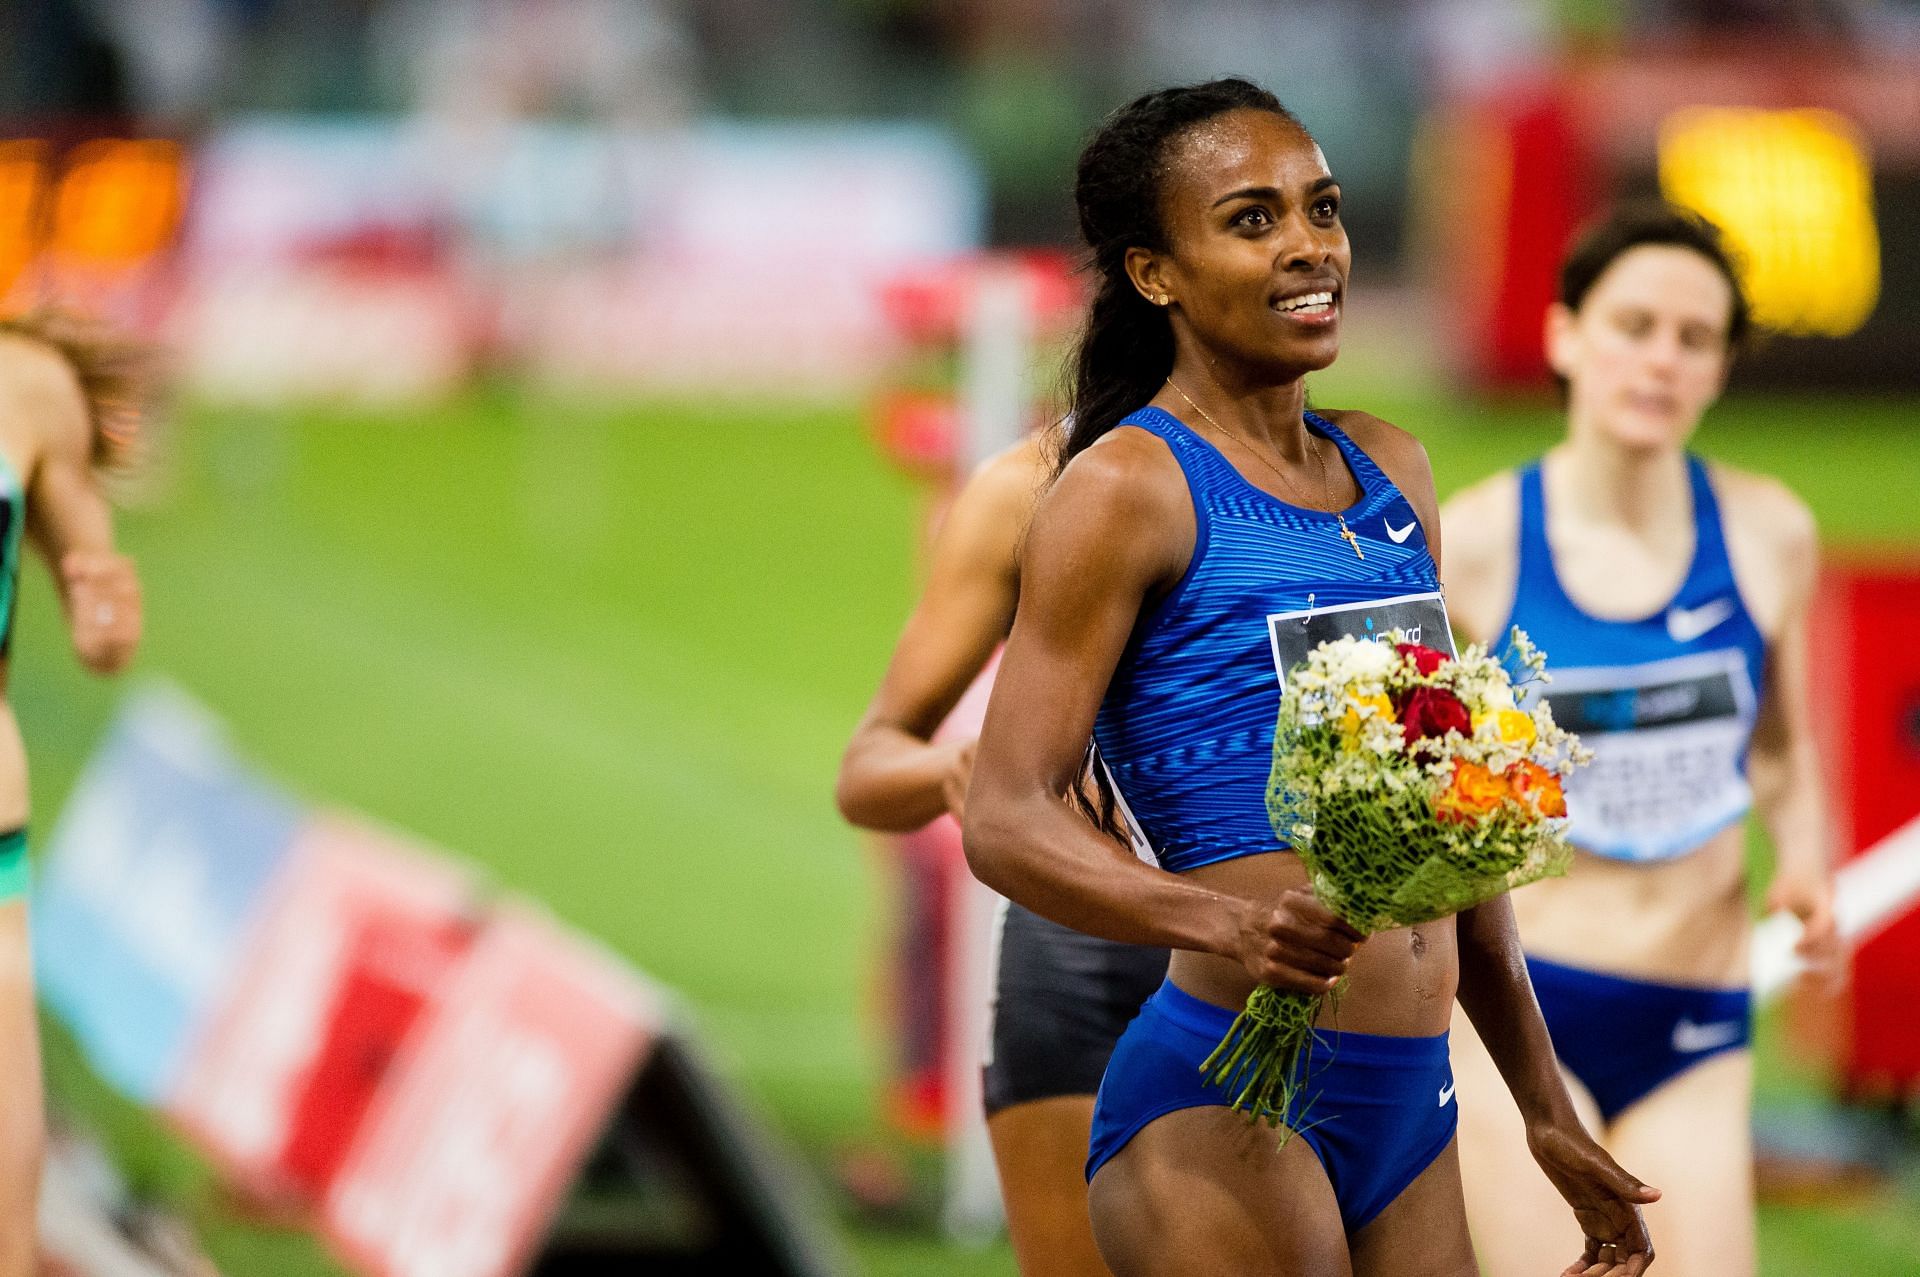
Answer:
x=1806 y=156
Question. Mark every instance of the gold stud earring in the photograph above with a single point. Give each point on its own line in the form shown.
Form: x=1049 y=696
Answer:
x=1161 y=299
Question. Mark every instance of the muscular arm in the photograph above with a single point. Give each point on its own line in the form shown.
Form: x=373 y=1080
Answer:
x=1115 y=529
x=1114 y=532
x=69 y=519
x=893 y=777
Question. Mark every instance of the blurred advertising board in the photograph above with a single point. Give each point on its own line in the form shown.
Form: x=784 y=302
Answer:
x=358 y=1033
x=147 y=897
x=498 y=1097
x=1808 y=158
x=1871 y=736
x=385 y=259
x=355 y=937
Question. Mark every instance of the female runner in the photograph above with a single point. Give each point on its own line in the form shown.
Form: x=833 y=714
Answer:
x=1198 y=498
x=1671 y=599
x=1061 y=997
x=63 y=386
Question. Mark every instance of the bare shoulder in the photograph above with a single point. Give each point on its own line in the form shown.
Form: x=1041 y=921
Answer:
x=1399 y=452
x=41 y=401
x=1125 y=497
x=1127 y=468
x=1772 y=542
x=1482 y=520
x=1761 y=507
x=1004 y=488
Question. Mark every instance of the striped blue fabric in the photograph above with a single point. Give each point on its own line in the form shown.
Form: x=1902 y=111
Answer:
x=1186 y=729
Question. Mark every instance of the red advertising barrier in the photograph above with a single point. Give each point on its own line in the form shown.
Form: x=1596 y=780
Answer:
x=358 y=931
x=1870 y=609
x=461 y=1165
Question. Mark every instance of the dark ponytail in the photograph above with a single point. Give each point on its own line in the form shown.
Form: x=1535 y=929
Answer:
x=1126 y=350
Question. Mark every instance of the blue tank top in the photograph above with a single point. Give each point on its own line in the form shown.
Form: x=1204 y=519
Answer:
x=1666 y=702
x=1186 y=728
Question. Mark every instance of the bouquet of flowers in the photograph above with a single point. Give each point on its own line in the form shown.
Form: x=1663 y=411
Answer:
x=1412 y=787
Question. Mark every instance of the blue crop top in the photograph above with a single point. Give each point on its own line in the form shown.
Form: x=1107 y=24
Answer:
x=1666 y=702
x=1186 y=728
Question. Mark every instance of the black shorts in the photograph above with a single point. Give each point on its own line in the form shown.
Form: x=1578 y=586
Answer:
x=1061 y=1000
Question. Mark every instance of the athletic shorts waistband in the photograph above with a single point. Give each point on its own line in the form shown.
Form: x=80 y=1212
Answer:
x=1210 y=1020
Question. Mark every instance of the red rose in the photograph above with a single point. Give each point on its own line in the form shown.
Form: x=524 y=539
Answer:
x=1434 y=711
x=1425 y=659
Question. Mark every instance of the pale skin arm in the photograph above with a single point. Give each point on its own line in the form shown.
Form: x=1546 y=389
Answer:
x=71 y=524
x=893 y=776
x=1783 y=763
x=1116 y=529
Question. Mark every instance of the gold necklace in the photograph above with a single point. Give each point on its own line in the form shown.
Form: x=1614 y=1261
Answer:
x=1326 y=487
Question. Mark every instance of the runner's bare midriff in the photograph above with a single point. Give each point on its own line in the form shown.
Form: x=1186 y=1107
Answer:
x=1678 y=921
x=1399 y=984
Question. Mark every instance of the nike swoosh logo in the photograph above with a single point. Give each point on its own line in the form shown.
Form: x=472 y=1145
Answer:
x=1399 y=535
x=1446 y=1093
x=1687 y=624
x=1691 y=1039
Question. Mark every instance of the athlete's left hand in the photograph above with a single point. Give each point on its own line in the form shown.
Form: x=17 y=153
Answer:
x=102 y=595
x=1809 y=897
x=1606 y=1200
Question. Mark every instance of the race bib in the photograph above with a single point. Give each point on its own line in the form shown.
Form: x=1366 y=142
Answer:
x=1668 y=740
x=1421 y=617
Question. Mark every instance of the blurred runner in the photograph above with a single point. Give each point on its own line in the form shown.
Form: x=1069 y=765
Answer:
x=69 y=398
x=1671 y=598
x=1061 y=998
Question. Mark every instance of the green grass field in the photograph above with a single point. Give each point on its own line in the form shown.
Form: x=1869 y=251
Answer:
x=612 y=656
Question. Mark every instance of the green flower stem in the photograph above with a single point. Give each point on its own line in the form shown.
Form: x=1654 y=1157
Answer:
x=1260 y=1060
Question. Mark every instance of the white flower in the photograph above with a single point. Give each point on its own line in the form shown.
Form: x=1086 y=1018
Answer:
x=1368 y=658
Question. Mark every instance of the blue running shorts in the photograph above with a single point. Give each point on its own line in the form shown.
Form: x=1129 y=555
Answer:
x=1625 y=1038
x=1375 y=1110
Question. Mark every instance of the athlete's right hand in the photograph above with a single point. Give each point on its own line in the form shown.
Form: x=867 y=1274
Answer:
x=1296 y=944
x=101 y=590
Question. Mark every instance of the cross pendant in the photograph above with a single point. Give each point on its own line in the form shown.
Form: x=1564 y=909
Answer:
x=1351 y=539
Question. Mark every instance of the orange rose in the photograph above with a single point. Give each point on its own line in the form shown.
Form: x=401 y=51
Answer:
x=1471 y=793
x=1539 y=787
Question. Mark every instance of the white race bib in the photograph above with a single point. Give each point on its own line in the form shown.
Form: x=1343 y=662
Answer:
x=1668 y=739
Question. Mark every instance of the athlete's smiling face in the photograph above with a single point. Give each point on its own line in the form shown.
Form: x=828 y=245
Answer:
x=1256 y=260
x=1647 y=352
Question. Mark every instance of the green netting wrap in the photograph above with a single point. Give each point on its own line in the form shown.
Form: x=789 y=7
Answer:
x=1411 y=788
